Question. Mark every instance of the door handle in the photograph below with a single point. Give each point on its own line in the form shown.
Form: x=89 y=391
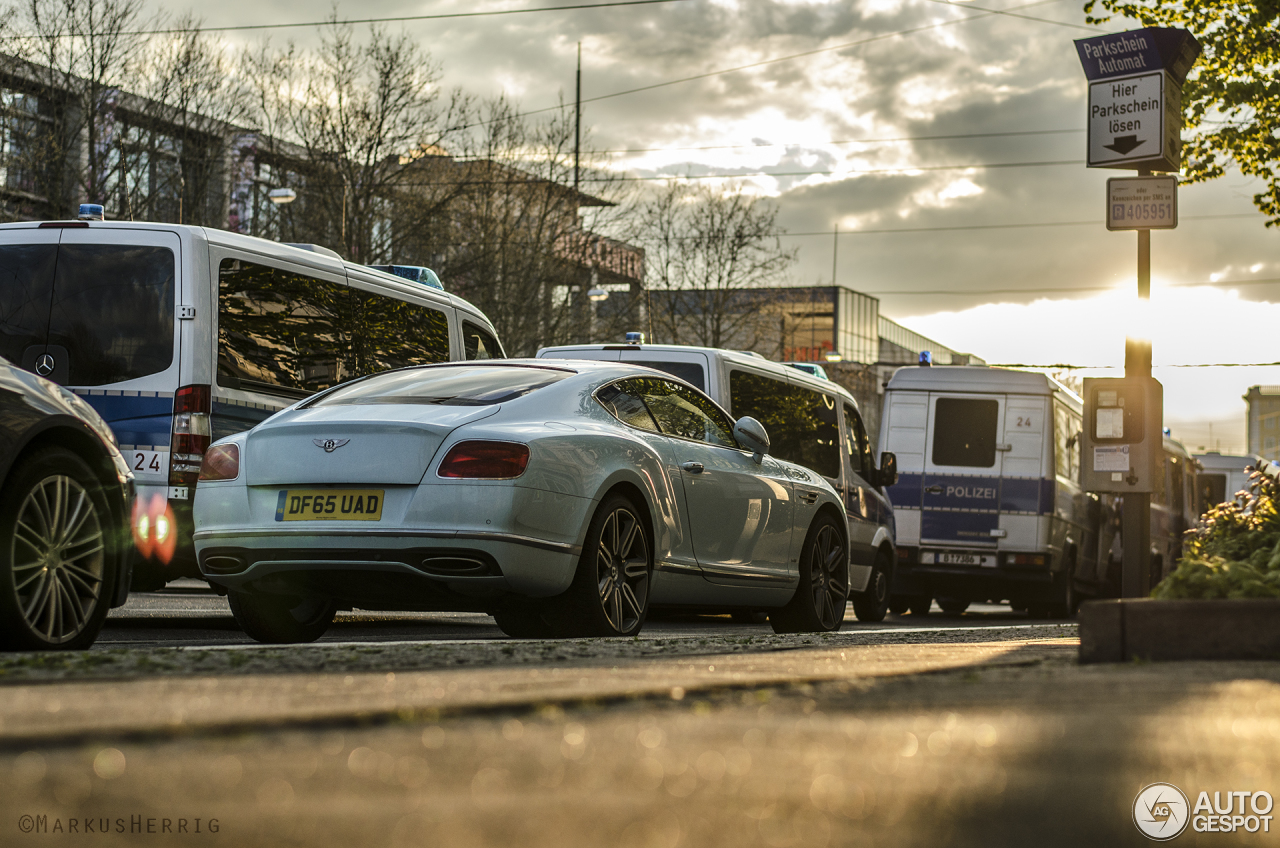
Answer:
x=933 y=490
x=692 y=467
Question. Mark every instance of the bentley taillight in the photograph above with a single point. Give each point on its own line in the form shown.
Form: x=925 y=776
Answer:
x=221 y=462
x=484 y=460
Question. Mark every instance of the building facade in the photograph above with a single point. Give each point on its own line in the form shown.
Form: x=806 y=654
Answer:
x=1262 y=421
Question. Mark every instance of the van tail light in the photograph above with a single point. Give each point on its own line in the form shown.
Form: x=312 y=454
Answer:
x=191 y=432
x=485 y=460
x=221 y=462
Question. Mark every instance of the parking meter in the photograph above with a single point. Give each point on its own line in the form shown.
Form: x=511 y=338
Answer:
x=1122 y=449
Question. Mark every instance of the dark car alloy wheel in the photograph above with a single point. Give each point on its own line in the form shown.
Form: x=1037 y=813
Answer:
x=609 y=595
x=55 y=535
x=622 y=570
x=820 y=599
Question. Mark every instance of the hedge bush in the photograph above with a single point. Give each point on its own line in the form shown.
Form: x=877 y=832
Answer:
x=1235 y=552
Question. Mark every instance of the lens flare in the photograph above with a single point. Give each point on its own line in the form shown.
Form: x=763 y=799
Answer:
x=154 y=529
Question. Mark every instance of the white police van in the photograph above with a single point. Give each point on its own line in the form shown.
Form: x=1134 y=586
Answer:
x=810 y=421
x=988 y=499
x=179 y=335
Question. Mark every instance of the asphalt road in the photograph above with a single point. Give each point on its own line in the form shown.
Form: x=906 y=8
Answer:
x=186 y=613
x=428 y=729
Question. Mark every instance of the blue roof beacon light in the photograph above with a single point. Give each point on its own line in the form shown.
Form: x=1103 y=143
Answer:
x=634 y=338
x=416 y=273
x=926 y=359
x=91 y=212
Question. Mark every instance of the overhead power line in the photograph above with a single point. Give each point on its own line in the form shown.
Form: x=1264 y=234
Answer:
x=1065 y=366
x=982 y=13
x=949 y=137
x=386 y=20
x=1069 y=289
x=902 y=170
x=1020 y=226
x=1010 y=14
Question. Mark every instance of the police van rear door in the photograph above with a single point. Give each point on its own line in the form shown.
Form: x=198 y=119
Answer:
x=964 y=451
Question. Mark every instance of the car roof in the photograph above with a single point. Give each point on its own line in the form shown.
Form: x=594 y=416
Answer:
x=978 y=379
x=277 y=249
x=1214 y=461
x=734 y=357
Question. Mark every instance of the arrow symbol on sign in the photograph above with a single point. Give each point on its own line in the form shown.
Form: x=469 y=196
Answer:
x=1125 y=143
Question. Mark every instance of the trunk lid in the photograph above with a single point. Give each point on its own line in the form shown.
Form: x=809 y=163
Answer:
x=383 y=444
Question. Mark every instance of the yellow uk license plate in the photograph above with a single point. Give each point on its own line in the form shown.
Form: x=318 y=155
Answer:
x=329 y=505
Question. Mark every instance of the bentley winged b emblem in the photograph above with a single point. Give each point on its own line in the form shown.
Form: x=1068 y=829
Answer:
x=330 y=445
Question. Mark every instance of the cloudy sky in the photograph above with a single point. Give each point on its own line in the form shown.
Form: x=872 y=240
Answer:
x=999 y=222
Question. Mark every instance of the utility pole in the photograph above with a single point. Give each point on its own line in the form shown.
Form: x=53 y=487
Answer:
x=835 y=249
x=577 y=120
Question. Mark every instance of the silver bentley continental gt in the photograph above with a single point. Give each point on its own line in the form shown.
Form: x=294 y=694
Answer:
x=562 y=498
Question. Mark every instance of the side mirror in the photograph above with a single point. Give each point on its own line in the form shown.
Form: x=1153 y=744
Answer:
x=751 y=434
x=888 y=474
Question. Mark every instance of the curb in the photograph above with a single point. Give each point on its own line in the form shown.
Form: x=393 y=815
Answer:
x=1160 y=631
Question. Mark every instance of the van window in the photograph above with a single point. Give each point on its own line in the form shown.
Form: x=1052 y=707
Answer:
x=964 y=432
x=859 y=445
x=690 y=372
x=390 y=333
x=281 y=330
x=801 y=423
x=110 y=306
x=26 y=285
x=478 y=344
x=113 y=311
x=1066 y=442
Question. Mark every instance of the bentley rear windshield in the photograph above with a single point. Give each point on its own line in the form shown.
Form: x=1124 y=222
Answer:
x=447 y=385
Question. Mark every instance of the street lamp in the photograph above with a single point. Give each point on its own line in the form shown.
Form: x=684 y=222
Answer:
x=282 y=195
x=597 y=295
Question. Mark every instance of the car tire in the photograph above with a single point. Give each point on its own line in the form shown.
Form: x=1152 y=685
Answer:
x=953 y=606
x=1064 y=606
x=523 y=623
x=818 y=605
x=899 y=604
x=609 y=595
x=873 y=604
x=58 y=554
x=279 y=619
x=919 y=604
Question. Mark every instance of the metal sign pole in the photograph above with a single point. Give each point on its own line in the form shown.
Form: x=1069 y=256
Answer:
x=1135 y=122
x=1135 y=521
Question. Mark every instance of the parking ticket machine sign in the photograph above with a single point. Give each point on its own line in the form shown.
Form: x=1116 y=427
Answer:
x=1135 y=96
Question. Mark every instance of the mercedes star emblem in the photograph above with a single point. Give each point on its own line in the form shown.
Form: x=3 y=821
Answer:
x=330 y=445
x=45 y=365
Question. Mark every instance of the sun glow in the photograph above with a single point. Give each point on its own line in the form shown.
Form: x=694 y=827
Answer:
x=1187 y=326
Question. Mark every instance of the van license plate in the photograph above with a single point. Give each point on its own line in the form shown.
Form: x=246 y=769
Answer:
x=954 y=558
x=329 y=505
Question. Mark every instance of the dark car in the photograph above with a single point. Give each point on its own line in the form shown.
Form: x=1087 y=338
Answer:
x=66 y=497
